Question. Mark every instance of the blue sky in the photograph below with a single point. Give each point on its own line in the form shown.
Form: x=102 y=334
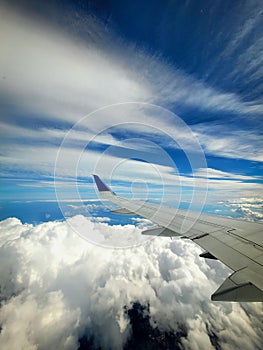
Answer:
x=166 y=96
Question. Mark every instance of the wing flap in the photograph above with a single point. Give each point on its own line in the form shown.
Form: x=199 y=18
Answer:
x=223 y=252
x=158 y=231
x=230 y=291
x=243 y=285
x=122 y=211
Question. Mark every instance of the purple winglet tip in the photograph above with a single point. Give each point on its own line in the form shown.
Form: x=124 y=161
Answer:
x=101 y=185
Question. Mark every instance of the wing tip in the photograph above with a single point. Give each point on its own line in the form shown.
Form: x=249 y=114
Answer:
x=101 y=186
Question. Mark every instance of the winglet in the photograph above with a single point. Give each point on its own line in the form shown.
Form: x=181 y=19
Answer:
x=101 y=185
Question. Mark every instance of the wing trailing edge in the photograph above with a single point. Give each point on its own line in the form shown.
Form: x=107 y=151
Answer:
x=231 y=291
x=122 y=211
x=158 y=231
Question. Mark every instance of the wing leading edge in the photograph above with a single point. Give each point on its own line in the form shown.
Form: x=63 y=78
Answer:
x=236 y=243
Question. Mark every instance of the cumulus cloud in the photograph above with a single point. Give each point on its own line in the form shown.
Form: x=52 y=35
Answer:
x=142 y=222
x=247 y=208
x=102 y=219
x=57 y=288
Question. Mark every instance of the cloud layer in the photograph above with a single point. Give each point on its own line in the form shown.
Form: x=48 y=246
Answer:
x=57 y=288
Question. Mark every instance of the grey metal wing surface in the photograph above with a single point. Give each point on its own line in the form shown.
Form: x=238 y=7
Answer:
x=236 y=243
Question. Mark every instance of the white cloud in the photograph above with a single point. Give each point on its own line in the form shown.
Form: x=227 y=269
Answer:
x=248 y=208
x=101 y=219
x=220 y=140
x=249 y=61
x=59 y=76
x=197 y=337
x=57 y=287
x=218 y=174
x=142 y=223
x=73 y=161
x=64 y=77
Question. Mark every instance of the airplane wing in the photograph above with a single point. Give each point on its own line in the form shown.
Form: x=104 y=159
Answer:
x=236 y=243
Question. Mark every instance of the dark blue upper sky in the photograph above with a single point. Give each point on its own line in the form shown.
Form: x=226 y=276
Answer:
x=205 y=38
